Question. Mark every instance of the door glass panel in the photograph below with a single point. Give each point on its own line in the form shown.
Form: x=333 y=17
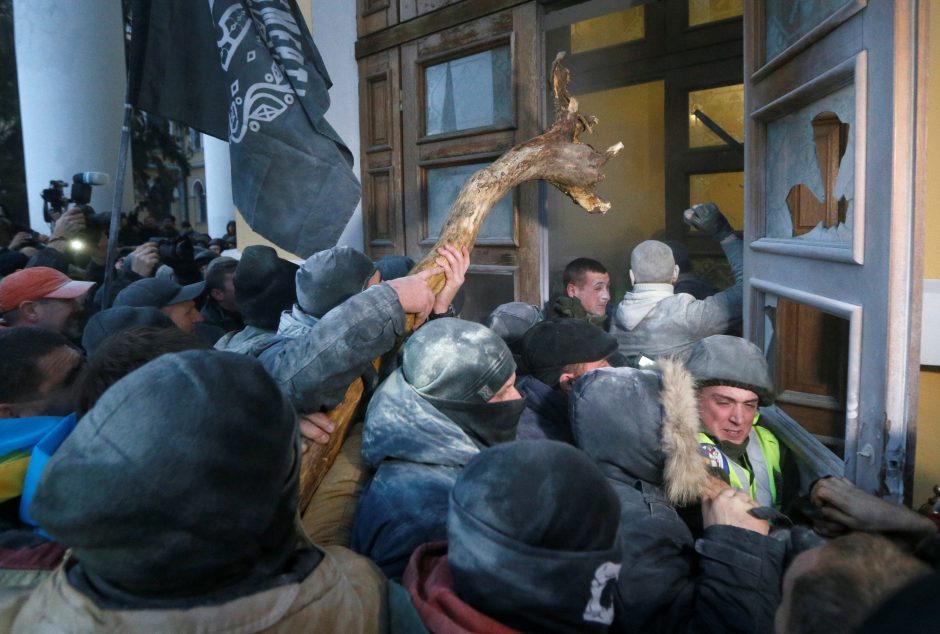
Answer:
x=705 y=11
x=469 y=92
x=722 y=107
x=485 y=291
x=794 y=176
x=607 y=30
x=725 y=189
x=789 y=21
x=444 y=185
x=635 y=185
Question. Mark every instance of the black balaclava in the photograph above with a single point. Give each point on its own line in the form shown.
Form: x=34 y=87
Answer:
x=264 y=286
x=458 y=366
x=328 y=278
x=532 y=538
x=181 y=482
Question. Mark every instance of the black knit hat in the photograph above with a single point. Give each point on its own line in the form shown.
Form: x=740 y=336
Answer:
x=545 y=512
x=328 y=278
x=264 y=286
x=551 y=345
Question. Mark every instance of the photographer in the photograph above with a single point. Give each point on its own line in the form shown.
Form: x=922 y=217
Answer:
x=78 y=246
x=139 y=264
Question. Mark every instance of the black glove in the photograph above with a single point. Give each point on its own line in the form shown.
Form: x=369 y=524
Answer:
x=708 y=218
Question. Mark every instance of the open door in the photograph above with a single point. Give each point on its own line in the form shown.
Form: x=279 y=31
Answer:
x=833 y=130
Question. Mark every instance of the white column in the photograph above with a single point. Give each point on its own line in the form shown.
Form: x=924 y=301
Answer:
x=334 y=32
x=219 y=206
x=72 y=77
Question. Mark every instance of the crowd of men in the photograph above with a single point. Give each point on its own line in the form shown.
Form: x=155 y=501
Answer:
x=582 y=467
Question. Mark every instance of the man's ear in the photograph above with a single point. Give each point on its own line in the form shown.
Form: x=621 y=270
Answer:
x=566 y=381
x=29 y=311
x=632 y=278
x=570 y=290
x=675 y=274
x=6 y=411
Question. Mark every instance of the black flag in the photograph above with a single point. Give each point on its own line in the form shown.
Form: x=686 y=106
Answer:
x=247 y=71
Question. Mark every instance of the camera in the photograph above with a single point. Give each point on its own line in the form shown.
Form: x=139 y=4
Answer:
x=177 y=253
x=54 y=200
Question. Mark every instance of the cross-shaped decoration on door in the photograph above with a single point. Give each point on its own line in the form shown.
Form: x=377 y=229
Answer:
x=831 y=137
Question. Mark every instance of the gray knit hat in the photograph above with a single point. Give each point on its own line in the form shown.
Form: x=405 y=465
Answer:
x=456 y=360
x=733 y=361
x=328 y=278
x=652 y=262
x=512 y=320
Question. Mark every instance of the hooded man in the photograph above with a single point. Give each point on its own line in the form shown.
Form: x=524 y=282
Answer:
x=452 y=397
x=733 y=380
x=216 y=549
x=652 y=320
x=554 y=354
x=546 y=514
x=641 y=427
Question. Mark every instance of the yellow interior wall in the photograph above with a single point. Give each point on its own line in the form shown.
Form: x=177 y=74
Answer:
x=246 y=236
x=927 y=460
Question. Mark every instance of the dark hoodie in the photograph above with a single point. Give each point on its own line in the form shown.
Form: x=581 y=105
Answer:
x=727 y=581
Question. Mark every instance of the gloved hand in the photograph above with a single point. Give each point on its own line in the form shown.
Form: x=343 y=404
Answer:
x=708 y=218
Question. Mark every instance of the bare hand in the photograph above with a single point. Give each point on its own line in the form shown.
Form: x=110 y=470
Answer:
x=414 y=293
x=19 y=240
x=145 y=259
x=730 y=508
x=846 y=505
x=455 y=264
x=68 y=225
x=316 y=427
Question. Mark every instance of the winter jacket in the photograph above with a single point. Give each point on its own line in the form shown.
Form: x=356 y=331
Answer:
x=546 y=412
x=428 y=579
x=251 y=340
x=418 y=453
x=217 y=316
x=653 y=321
x=315 y=368
x=344 y=593
x=726 y=581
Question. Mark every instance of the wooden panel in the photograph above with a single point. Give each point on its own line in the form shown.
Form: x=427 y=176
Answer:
x=375 y=15
x=380 y=124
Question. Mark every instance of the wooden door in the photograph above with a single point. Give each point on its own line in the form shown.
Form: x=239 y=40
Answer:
x=469 y=93
x=834 y=109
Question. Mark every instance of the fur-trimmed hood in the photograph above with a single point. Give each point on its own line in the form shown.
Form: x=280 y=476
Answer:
x=642 y=425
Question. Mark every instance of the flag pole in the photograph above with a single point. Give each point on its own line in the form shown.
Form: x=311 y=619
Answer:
x=116 y=202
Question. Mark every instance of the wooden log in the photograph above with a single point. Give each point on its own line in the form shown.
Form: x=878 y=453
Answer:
x=557 y=156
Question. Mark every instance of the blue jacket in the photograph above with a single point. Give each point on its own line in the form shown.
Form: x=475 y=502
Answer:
x=545 y=414
x=418 y=453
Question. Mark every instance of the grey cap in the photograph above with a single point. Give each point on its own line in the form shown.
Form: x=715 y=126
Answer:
x=652 y=262
x=107 y=322
x=733 y=361
x=512 y=320
x=157 y=293
x=328 y=278
x=456 y=360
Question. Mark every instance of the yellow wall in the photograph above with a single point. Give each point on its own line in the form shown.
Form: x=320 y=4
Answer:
x=927 y=461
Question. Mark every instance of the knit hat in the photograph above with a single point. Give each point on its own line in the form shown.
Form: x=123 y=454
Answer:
x=264 y=286
x=328 y=278
x=512 y=320
x=181 y=490
x=393 y=267
x=532 y=538
x=107 y=322
x=732 y=361
x=456 y=360
x=551 y=345
x=39 y=282
x=157 y=293
x=652 y=262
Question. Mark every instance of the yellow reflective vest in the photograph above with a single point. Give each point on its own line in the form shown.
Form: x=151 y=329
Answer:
x=759 y=474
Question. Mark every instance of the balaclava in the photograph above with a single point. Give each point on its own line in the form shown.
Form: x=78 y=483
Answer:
x=532 y=538
x=181 y=481
x=458 y=366
x=328 y=278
